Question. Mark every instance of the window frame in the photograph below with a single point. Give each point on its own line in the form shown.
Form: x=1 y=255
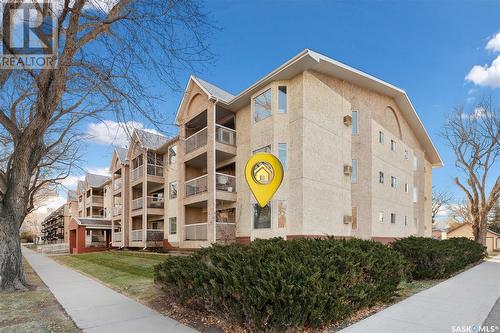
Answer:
x=393 y=145
x=381 y=137
x=254 y=205
x=355 y=122
x=280 y=150
x=393 y=218
x=170 y=197
x=394 y=182
x=381 y=177
x=170 y=225
x=354 y=173
x=381 y=216
x=280 y=202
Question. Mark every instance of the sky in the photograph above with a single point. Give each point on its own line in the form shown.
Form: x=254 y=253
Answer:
x=443 y=53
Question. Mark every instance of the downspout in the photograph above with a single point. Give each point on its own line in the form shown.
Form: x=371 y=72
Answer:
x=215 y=170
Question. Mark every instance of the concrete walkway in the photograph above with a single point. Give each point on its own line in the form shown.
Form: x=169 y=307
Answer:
x=462 y=301
x=94 y=307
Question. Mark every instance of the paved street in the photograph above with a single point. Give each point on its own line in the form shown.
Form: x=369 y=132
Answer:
x=464 y=300
x=95 y=307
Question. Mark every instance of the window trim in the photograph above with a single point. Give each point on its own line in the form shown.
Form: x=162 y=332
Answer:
x=170 y=225
x=394 y=182
x=170 y=188
x=270 y=204
x=381 y=137
x=354 y=172
x=393 y=218
x=381 y=178
x=355 y=122
x=381 y=216
x=285 y=165
x=393 y=145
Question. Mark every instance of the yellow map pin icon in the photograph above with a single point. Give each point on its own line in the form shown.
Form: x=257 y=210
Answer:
x=264 y=174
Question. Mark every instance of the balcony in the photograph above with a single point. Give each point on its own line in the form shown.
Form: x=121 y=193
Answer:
x=137 y=204
x=197 y=140
x=117 y=184
x=224 y=182
x=154 y=235
x=196 y=185
x=155 y=202
x=117 y=236
x=225 y=135
x=197 y=231
x=136 y=235
x=155 y=170
x=117 y=210
x=137 y=172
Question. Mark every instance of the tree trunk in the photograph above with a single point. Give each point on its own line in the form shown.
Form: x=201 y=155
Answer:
x=11 y=264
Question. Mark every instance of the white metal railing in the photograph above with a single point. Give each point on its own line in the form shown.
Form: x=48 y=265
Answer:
x=225 y=230
x=137 y=203
x=97 y=199
x=117 y=184
x=154 y=234
x=197 y=140
x=197 y=231
x=224 y=182
x=137 y=172
x=196 y=185
x=225 y=135
x=155 y=170
x=117 y=210
x=136 y=235
x=117 y=236
x=155 y=202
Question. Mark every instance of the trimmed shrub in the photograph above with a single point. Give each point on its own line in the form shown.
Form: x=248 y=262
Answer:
x=277 y=285
x=434 y=259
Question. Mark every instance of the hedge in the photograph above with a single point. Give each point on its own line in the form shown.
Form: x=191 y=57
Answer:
x=434 y=259
x=278 y=285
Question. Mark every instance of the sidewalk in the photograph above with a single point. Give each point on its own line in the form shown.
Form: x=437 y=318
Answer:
x=464 y=300
x=95 y=307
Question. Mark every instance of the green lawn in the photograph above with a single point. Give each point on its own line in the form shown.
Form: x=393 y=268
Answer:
x=35 y=310
x=130 y=273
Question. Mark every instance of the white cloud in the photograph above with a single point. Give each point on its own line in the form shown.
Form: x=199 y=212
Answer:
x=51 y=204
x=110 y=132
x=71 y=182
x=486 y=75
x=99 y=171
x=494 y=43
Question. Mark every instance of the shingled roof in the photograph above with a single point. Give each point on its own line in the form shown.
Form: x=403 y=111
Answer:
x=94 y=180
x=93 y=222
x=150 y=140
x=122 y=154
x=214 y=91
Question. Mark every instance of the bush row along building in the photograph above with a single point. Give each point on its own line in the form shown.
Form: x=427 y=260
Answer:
x=358 y=163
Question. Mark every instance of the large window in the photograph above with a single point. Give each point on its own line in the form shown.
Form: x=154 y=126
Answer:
x=282 y=101
x=262 y=216
x=172 y=225
x=282 y=210
x=282 y=154
x=137 y=162
x=172 y=190
x=354 y=115
x=354 y=174
x=262 y=106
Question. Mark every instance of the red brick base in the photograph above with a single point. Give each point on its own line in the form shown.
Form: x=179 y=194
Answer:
x=384 y=240
x=243 y=240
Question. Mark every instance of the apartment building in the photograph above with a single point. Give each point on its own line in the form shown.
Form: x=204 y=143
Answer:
x=358 y=163
x=55 y=228
x=94 y=196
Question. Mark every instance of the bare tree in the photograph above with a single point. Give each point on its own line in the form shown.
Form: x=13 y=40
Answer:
x=440 y=199
x=112 y=54
x=474 y=138
x=460 y=213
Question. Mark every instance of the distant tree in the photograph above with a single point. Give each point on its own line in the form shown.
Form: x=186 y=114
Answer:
x=440 y=199
x=474 y=138
x=111 y=57
x=495 y=218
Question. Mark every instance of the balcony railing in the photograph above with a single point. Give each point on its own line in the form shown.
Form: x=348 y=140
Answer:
x=196 y=185
x=197 y=140
x=155 y=202
x=154 y=234
x=99 y=199
x=197 y=231
x=224 y=182
x=117 y=210
x=155 y=170
x=226 y=231
x=225 y=135
x=117 y=236
x=137 y=172
x=136 y=235
x=137 y=203
x=117 y=184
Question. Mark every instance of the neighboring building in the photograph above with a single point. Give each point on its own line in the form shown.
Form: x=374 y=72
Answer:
x=465 y=230
x=55 y=226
